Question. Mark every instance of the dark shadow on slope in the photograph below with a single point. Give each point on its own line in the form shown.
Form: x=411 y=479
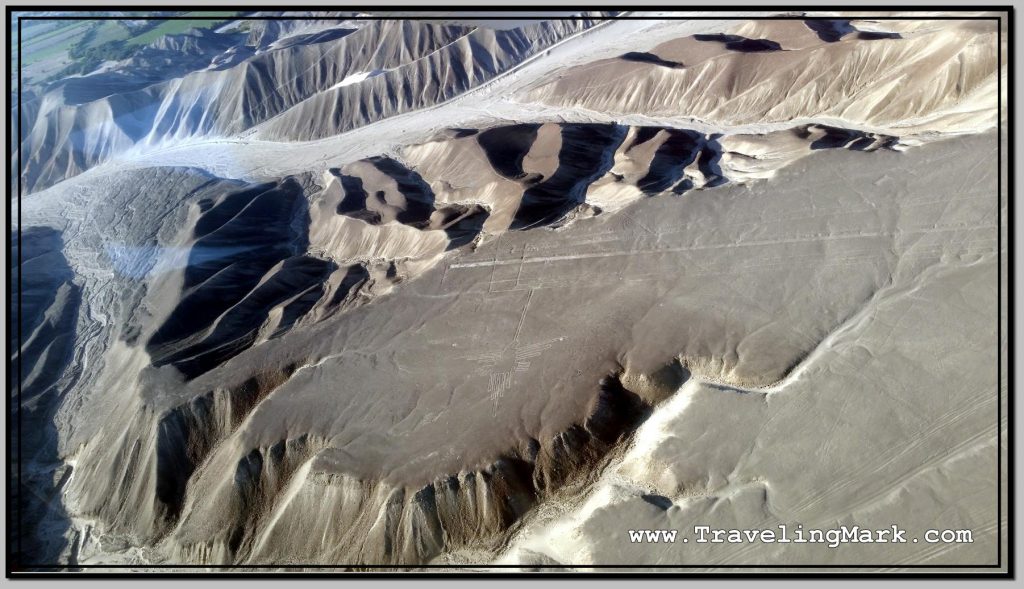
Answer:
x=49 y=307
x=281 y=34
x=877 y=35
x=313 y=38
x=644 y=57
x=418 y=196
x=669 y=162
x=505 y=148
x=414 y=206
x=459 y=510
x=241 y=266
x=709 y=162
x=353 y=201
x=295 y=285
x=743 y=44
x=616 y=412
x=355 y=276
x=644 y=134
x=836 y=137
x=187 y=433
x=299 y=282
x=659 y=501
x=830 y=31
x=585 y=155
x=87 y=89
x=461 y=223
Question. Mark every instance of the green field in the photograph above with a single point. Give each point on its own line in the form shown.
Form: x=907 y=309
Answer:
x=56 y=49
x=52 y=42
x=59 y=39
x=109 y=30
x=50 y=31
x=203 y=20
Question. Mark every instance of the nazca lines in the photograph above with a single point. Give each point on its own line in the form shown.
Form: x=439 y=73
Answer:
x=516 y=357
x=851 y=235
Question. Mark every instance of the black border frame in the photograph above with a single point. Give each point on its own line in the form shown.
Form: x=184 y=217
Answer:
x=519 y=571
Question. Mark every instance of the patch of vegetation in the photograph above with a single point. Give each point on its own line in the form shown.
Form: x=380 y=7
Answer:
x=200 y=20
x=50 y=42
x=110 y=40
x=89 y=59
x=106 y=31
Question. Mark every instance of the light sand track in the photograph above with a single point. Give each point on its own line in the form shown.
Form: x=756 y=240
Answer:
x=496 y=101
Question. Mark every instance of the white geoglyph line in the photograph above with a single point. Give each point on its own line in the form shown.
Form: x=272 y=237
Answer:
x=566 y=257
